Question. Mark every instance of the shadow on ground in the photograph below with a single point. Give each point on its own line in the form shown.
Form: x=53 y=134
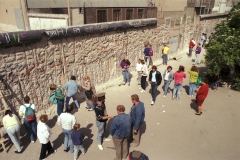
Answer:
x=87 y=131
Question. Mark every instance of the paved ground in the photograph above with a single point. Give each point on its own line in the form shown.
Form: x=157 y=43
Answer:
x=172 y=130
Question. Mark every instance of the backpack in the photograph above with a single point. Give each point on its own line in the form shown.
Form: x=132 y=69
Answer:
x=142 y=156
x=150 y=53
x=199 y=81
x=52 y=99
x=29 y=113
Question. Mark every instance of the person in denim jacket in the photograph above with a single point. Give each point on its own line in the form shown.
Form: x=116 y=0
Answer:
x=120 y=130
x=137 y=115
x=168 y=77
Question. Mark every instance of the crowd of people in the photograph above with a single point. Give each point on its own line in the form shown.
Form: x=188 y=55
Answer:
x=125 y=128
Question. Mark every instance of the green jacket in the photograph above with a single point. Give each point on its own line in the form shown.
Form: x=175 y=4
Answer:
x=58 y=94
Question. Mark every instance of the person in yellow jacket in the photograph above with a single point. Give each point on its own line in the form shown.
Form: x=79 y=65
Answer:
x=193 y=80
x=165 y=51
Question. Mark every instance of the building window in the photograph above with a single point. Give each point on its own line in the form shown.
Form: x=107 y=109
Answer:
x=116 y=15
x=101 y=16
x=129 y=14
x=140 y=13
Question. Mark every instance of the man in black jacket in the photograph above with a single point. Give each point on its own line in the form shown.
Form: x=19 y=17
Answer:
x=155 y=78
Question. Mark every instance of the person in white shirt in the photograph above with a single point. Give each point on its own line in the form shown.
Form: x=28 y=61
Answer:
x=67 y=120
x=139 y=69
x=144 y=73
x=30 y=126
x=43 y=134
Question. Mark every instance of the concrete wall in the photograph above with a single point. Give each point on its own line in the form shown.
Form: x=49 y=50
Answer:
x=77 y=18
x=88 y=3
x=29 y=69
x=170 y=5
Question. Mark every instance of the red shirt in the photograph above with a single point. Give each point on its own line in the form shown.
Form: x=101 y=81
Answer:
x=178 y=77
x=202 y=92
x=191 y=44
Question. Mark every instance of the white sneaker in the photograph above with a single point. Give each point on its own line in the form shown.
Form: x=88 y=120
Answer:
x=75 y=159
x=164 y=96
x=100 y=147
x=32 y=141
x=142 y=90
x=152 y=102
x=106 y=140
x=192 y=95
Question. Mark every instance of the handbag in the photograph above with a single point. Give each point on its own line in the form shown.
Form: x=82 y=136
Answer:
x=89 y=94
x=52 y=99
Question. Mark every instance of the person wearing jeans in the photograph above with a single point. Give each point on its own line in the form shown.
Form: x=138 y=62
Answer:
x=198 y=51
x=168 y=77
x=193 y=72
x=144 y=72
x=178 y=79
x=88 y=85
x=77 y=139
x=101 y=119
x=155 y=78
x=72 y=88
x=165 y=51
x=125 y=64
x=67 y=120
x=146 y=54
x=12 y=125
x=59 y=96
x=30 y=126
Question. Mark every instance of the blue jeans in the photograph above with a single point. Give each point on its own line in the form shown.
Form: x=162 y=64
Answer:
x=74 y=99
x=60 y=106
x=192 y=87
x=31 y=128
x=197 y=60
x=147 y=60
x=125 y=74
x=177 y=88
x=154 y=90
x=101 y=129
x=67 y=139
x=76 y=149
x=166 y=87
x=165 y=58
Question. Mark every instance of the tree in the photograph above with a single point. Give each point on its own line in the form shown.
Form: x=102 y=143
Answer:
x=224 y=49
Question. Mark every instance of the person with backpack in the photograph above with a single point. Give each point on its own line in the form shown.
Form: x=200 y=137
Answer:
x=155 y=78
x=193 y=72
x=90 y=93
x=12 y=125
x=125 y=64
x=72 y=88
x=168 y=77
x=178 y=78
x=165 y=51
x=148 y=52
x=120 y=130
x=57 y=98
x=27 y=111
x=67 y=121
x=44 y=133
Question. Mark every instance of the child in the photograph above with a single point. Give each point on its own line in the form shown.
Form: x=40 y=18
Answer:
x=139 y=69
x=77 y=139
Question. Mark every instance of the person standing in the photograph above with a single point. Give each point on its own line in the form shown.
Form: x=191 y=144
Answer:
x=144 y=74
x=165 y=51
x=138 y=69
x=125 y=64
x=155 y=78
x=12 y=125
x=30 y=126
x=137 y=115
x=43 y=134
x=193 y=72
x=67 y=121
x=178 y=78
x=72 y=88
x=120 y=131
x=77 y=139
x=202 y=39
x=101 y=119
x=191 y=46
x=146 y=54
x=168 y=77
x=89 y=86
x=57 y=92
x=198 y=51
x=201 y=95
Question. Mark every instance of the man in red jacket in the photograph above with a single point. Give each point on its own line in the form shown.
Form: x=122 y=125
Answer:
x=201 y=95
x=191 y=45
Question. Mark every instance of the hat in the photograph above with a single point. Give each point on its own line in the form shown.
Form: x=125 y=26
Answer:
x=101 y=95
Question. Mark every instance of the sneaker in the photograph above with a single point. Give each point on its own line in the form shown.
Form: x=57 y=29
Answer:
x=90 y=109
x=32 y=141
x=142 y=90
x=106 y=140
x=100 y=147
x=87 y=107
x=164 y=96
x=152 y=102
x=177 y=98
x=18 y=152
x=75 y=158
x=189 y=96
x=192 y=95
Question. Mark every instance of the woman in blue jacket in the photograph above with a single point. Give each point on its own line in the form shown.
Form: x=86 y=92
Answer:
x=168 y=77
